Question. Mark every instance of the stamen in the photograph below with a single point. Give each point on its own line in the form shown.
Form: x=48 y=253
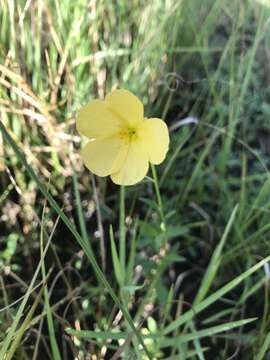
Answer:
x=128 y=134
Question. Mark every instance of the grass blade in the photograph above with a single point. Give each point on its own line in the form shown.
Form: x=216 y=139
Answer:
x=215 y=262
x=54 y=346
x=116 y=262
x=19 y=334
x=165 y=341
x=8 y=338
x=189 y=315
x=205 y=332
x=264 y=348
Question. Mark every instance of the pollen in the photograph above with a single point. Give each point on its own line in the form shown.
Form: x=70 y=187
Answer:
x=128 y=134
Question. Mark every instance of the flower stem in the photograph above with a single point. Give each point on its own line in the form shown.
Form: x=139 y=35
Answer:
x=122 y=229
x=160 y=205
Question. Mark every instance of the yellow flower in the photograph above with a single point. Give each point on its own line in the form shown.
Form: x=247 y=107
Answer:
x=122 y=141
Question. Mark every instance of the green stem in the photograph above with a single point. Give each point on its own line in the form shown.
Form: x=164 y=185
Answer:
x=122 y=255
x=159 y=200
x=122 y=229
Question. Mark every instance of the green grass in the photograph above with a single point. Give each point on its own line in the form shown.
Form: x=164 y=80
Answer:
x=175 y=267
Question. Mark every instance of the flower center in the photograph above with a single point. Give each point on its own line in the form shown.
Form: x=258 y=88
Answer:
x=128 y=134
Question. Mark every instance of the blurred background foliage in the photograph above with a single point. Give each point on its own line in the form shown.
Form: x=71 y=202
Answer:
x=203 y=66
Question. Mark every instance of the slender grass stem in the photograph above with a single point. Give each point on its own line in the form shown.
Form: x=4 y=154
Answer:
x=100 y=226
x=47 y=306
x=122 y=229
x=159 y=200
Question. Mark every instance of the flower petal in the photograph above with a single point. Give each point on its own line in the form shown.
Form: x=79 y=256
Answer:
x=104 y=156
x=126 y=105
x=95 y=120
x=154 y=136
x=135 y=166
